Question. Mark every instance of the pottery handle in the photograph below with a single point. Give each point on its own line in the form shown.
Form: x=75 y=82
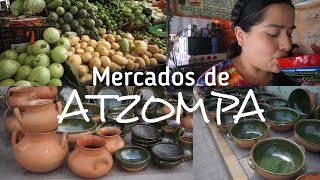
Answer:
x=302 y=148
x=34 y=96
x=229 y=136
x=14 y=138
x=17 y=114
x=64 y=140
x=59 y=107
x=251 y=165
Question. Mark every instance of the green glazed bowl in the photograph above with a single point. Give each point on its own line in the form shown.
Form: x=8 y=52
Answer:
x=276 y=102
x=263 y=96
x=300 y=100
x=248 y=132
x=167 y=152
x=76 y=125
x=118 y=109
x=282 y=119
x=132 y=158
x=166 y=164
x=227 y=121
x=145 y=132
x=307 y=134
x=146 y=146
x=277 y=158
x=213 y=107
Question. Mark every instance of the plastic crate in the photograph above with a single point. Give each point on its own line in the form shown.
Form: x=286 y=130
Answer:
x=19 y=34
x=300 y=61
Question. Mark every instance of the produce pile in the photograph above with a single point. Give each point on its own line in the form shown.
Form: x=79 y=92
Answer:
x=87 y=34
x=38 y=64
x=116 y=50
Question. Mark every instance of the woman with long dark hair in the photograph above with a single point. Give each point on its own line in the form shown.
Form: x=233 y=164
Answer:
x=263 y=30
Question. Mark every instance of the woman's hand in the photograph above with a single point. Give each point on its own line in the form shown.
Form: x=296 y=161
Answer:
x=315 y=48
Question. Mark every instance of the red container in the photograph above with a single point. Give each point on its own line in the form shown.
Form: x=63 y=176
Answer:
x=300 y=61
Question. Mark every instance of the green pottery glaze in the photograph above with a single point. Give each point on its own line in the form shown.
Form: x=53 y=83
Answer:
x=187 y=144
x=145 y=132
x=307 y=133
x=263 y=96
x=282 y=119
x=276 y=102
x=166 y=164
x=302 y=101
x=132 y=158
x=277 y=158
x=167 y=152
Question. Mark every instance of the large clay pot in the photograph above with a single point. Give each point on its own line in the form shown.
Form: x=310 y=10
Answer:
x=112 y=136
x=39 y=115
x=187 y=122
x=90 y=159
x=10 y=121
x=46 y=92
x=39 y=152
x=18 y=95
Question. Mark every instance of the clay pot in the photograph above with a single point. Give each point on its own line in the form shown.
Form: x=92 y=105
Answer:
x=46 y=92
x=112 y=136
x=39 y=115
x=90 y=159
x=166 y=110
x=10 y=121
x=187 y=122
x=39 y=152
x=18 y=95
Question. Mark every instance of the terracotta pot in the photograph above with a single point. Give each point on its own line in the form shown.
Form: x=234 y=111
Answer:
x=187 y=122
x=112 y=136
x=39 y=152
x=46 y=92
x=39 y=115
x=18 y=95
x=90 y=159
x=10 y=121
x=306 y=134
x=309 y=176
x=166 y=110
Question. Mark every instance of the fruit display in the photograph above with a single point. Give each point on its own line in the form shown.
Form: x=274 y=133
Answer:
x=38 y=64
x=153 y=39
x=116 y=50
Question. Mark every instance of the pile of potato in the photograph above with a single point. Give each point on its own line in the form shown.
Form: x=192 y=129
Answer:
x=113 y=51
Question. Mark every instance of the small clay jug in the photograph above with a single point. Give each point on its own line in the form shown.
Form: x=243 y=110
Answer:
x=112 y=136
x=10 y=121
x=39 y=152
x=90 y=159
x=187 y=145
x=46 y=92
x=16 y=96
x=187 y=122
x=39 y=116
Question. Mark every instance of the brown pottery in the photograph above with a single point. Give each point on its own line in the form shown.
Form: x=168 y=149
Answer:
x=39 y=115
x=39 y=152
x=90 y=159
x=166 y=109
x=18 y=95
x=187 y=122
x=10 y=121
x=46 y=92
x=112 y=136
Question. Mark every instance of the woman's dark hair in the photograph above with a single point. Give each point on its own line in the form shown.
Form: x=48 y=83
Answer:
x=248 y=13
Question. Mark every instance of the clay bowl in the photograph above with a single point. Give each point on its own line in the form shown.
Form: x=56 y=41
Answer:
x=309 y=176
x=132 y=158
x=212 y=108
x=247 y=133
x=227 y=121
x=144 y=142
x=118 y=109
x=307 y=134
x=167 y=152
x=277 y=102
x=93 y=110
x=282 y=119
x=146 y=146
x=303 y=102
x=277 y=158
x=145 y=132
x=76 y=128
x=263 y=106
x=166 y=164
x=114 y=123
x=263 y=96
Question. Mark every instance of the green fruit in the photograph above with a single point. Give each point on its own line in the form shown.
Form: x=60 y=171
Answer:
x=82 y=13
x=66 y=27
x=9 y=54
x=66 y=4
x=53 y=17
x=22 y=83
x=98 y=23
x=51 y=35
x=90 y=23
x=80 y=30
x=78 y=4
x=67 y=17
x=74 y=24
x=7 y=68
x=22 y=57
x=64 y=42
x=74 y=10
x=59 y=54
x=60 y=11
x=22 y=73
x=124 y=44
x=87 y=6
x=40 y=47
x=40 y=75
x=29 y=60
x=7 y=82
x=29 y=49
x=56 y=70
x=54 y=4
x=34 y=84
x=41 y=60
x=55 y=82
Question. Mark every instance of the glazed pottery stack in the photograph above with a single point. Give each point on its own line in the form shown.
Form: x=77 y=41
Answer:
x=187 y=144
x=167 y=155
x=144 y=135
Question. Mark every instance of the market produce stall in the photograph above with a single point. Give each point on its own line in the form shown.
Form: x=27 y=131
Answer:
x=164 y=147
x=69 y=38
